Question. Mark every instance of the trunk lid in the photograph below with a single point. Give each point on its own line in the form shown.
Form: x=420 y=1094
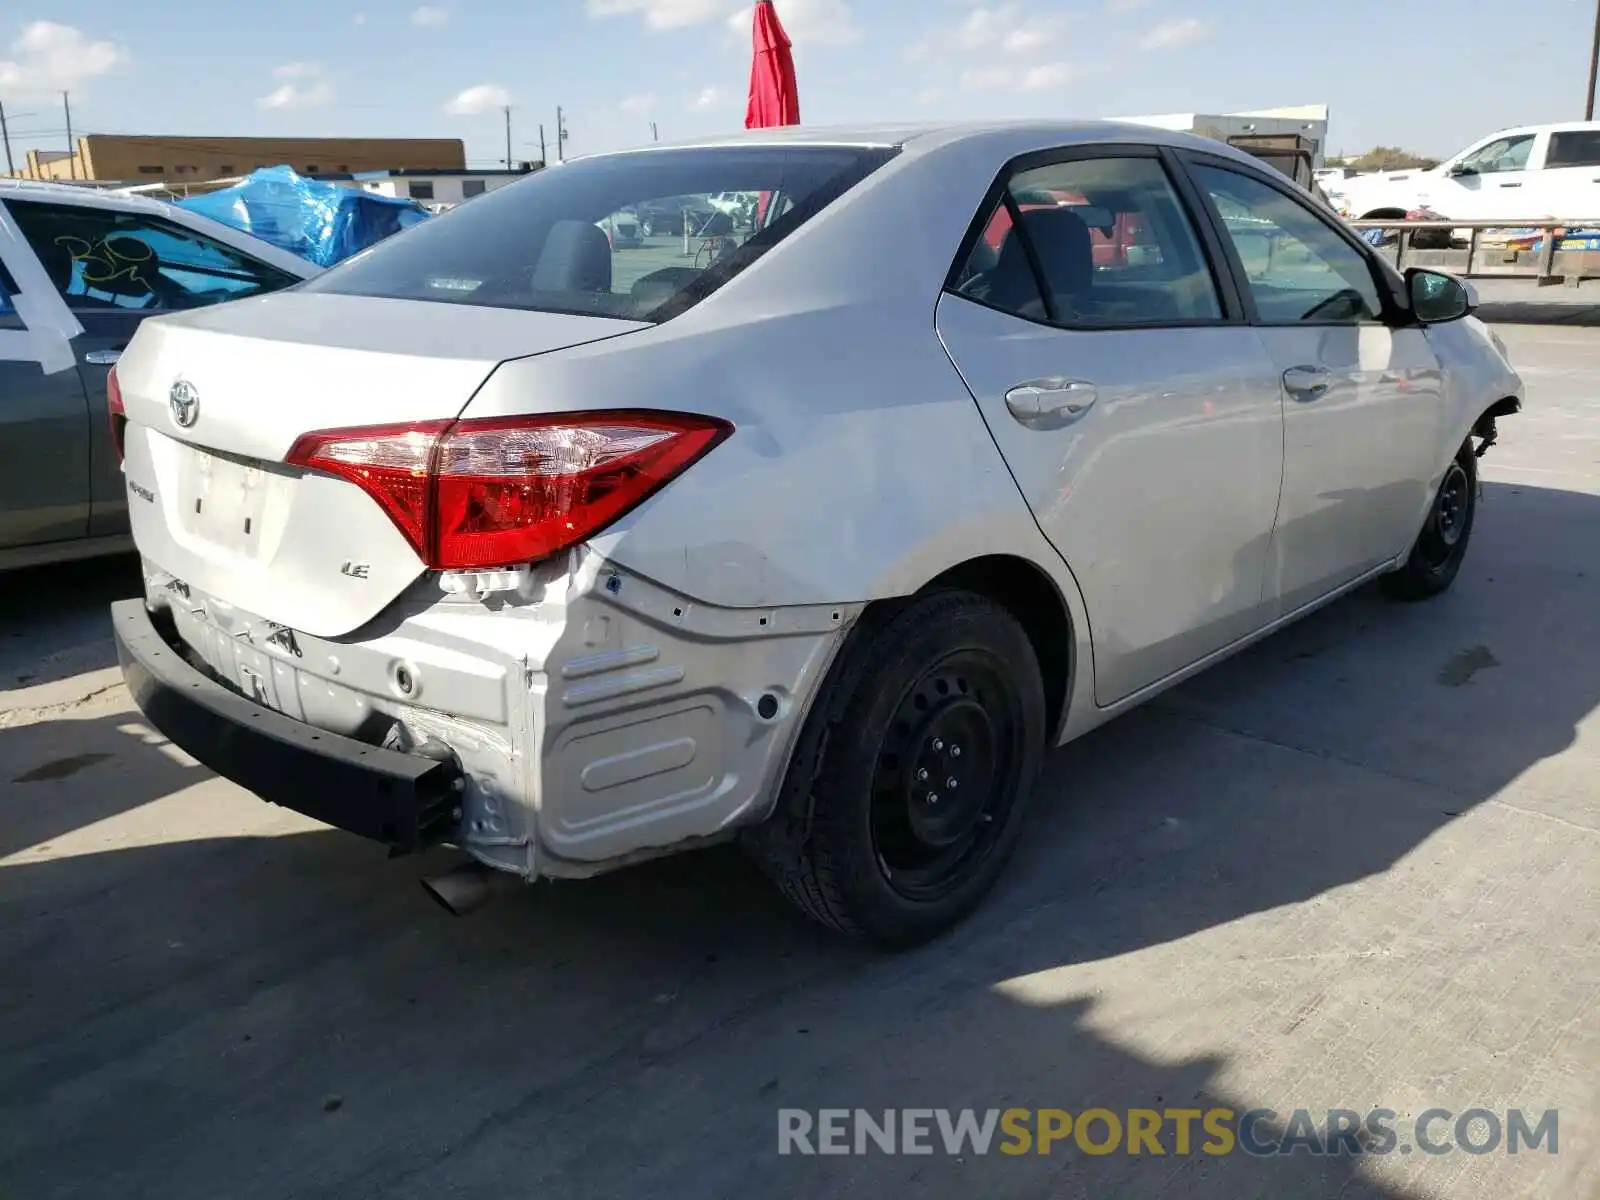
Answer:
x=210 y=498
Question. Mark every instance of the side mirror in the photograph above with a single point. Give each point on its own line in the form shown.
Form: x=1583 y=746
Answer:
x=1458 y=170
x=1437 y=297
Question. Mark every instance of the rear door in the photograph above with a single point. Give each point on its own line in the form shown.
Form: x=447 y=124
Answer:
x=113 y=269
x=1364 y=405
x=44 y=418
x=1571 y=176
x=1139 y=414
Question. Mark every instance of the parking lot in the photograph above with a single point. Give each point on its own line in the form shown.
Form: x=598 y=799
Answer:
x=1357 y=866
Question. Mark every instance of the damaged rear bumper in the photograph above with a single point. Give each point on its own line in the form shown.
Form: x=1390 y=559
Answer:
x=406 y=801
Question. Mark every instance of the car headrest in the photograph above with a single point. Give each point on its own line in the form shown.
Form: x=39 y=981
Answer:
x=576 y=258
x=656 y=288
x=1062 y=242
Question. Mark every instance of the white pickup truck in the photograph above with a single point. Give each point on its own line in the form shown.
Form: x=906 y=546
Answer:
x=1534 y=171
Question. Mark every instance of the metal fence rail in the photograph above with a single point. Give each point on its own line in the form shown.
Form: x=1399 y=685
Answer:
x=1493 y=257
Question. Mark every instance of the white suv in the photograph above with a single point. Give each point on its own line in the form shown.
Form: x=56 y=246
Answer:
x=1531 y=172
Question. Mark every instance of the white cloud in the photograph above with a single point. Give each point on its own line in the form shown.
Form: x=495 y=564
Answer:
x=638 y=105
x=1178 y=32
x=660 y=14
x=709 y=98
x=1039 y=78
x=1006 y=28
x=359 y=19
x=1127 y=6
x=427 y=16
x=485 y=97
x=305 y=86
x=51 y=57
x=807 y=22
x=1046 y=76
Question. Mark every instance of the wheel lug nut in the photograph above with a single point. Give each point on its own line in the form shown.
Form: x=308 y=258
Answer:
x=951 y=784
x=937 y=745
x=922 y=775
x=933 y=797
x=955 y=751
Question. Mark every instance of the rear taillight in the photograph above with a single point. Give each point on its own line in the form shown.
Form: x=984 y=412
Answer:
x=470 y=495
x=115 y=412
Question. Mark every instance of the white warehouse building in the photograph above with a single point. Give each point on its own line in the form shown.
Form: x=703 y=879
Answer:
x=431 y=187
x=1309 y=121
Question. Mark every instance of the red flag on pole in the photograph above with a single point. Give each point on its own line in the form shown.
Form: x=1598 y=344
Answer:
x=774 y=96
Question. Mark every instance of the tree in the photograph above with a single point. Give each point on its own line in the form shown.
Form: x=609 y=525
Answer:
x=1391 y=158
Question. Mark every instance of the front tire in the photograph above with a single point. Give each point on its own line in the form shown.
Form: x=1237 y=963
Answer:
x=905 y=793
x=1436 y=558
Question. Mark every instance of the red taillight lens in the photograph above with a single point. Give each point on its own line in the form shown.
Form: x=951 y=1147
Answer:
x=495 y=492
x=115 y=412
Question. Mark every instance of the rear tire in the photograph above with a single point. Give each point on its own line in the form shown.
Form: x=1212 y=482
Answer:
x=1440 y=548
x=906 y=790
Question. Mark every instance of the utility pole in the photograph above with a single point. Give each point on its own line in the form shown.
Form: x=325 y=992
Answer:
x=543 y=162
x=72 y=149
x=561 y=135
x=508 y=137
x=1594 y=67
x=655 y=135
x=5 y=136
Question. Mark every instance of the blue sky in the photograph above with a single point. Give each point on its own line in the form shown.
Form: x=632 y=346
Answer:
x=1429 y=78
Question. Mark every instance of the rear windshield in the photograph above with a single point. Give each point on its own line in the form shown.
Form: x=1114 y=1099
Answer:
x=641 y=236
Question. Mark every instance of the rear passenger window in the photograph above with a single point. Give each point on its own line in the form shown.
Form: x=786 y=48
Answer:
x=105 y=258
x=1576 y=148
x=1102 y=243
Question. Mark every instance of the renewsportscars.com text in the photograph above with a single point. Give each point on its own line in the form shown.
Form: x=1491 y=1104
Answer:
x=1260 y=1132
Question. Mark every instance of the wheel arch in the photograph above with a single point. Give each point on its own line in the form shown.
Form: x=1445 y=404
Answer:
x=1033 y=598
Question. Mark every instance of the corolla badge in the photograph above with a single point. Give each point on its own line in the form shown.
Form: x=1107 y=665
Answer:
x=184 y=401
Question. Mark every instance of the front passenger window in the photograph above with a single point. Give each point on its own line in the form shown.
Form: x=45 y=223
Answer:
x=1502 y=154
x=1103 y=243
x=1298 y=268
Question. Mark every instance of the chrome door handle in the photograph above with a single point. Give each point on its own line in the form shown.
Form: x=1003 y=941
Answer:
x=102 y=358
x=1510 y=185
x=1307 y=383
x=1050 y=403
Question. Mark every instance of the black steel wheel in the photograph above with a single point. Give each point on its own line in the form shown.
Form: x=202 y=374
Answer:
x=904 y=796
x=1436 y=558
x=944 y=777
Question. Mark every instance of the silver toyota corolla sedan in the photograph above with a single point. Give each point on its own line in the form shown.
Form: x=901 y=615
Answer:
x=817 y=531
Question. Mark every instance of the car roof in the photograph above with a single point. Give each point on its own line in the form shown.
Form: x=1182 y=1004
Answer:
x=87 y=196
x=926 y=135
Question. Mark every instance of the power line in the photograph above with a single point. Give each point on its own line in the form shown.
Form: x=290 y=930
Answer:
x=72 y=149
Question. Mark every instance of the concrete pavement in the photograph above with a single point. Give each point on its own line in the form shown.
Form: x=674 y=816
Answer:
x=1358 y=866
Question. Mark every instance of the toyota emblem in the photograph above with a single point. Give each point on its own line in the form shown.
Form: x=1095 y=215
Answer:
x=184 y=400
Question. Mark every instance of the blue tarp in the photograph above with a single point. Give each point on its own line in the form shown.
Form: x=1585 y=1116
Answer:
x=322 y=222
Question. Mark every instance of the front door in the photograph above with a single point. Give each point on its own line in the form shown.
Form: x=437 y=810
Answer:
x=1363 y=412
x=1139 y=416
x=1491 y=182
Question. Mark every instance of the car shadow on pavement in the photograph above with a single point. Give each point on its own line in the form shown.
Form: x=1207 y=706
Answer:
x=287 y=1015
x=60 y=776
x=55 y=621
